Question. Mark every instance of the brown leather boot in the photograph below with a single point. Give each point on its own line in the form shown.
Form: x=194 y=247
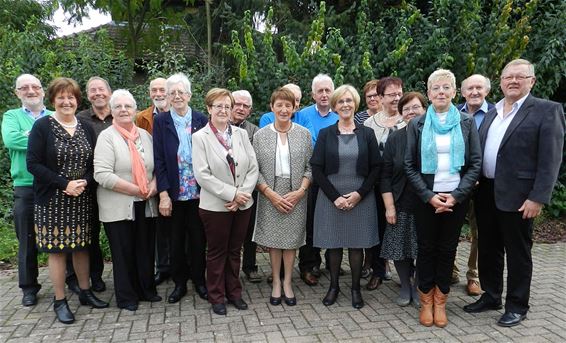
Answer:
x=427 y=299
x=440 y=319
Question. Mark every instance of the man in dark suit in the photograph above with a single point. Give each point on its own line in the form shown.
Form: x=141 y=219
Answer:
x=522 y=140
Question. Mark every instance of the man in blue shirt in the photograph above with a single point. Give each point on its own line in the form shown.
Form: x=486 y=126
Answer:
x=474 y=89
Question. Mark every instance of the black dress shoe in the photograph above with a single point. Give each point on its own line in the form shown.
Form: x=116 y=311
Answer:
x=240 y=304
x=160 y=277
x=86 y=297
x=275 y=301
x=219 y=309
x=153 y=299
x=98 y=285
x=509 y=319
x=63 y=311
x=331 y=296
x=129 y=307
x=177 y=294
x=29 y=299
x=290 y=301
x=357 y=301
x=202 y=291
x=482 y=304
x=74 y=287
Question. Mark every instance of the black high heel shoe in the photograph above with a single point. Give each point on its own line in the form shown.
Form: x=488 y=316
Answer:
x=86 y=297
x=275 y=301
x=63 y=311
x=357 y=301
x=290 y=301
x=331 y=296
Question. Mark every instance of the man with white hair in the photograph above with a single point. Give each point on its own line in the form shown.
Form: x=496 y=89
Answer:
x=240 y=113
x=144 y=120
x=16 y=125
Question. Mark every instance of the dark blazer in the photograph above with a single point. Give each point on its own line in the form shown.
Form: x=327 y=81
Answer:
x=165 y=146
x=41 y=160
x=393 y=178
x=469 y=173
x=324 y=160
x=530 y=154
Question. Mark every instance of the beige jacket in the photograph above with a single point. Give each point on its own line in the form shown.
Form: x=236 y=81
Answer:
x=111 y=163
x=212 y=171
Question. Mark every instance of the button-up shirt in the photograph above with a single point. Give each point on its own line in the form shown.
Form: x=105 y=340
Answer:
x=42 y=113
x=479 y=114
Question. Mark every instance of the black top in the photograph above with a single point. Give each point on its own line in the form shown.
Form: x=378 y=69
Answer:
x=324 y=160
x=42 y=160
x=92 y=119
x=393 y=177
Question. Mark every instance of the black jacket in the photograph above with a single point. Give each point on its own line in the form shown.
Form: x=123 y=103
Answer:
x=469 y=173
x=393 y=178
x=324 y=160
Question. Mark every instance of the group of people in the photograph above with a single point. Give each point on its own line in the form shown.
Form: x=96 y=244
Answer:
x=394 y=182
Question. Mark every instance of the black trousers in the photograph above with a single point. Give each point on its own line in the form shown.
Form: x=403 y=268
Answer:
x=131 y=245
x=27 y=248
x=163 y=244
x=501 y=233
x=186 y=224
x=378 y=263
x=309 y=256
x=437 y=241
x=248 y=256
x=96 y=261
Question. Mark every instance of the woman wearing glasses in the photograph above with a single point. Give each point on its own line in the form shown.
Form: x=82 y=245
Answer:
x=442 y=163
x=346 y=164
x=178 y=190
x=123 y=168
x=389 y=91
x=372 y=101
x=400 y=237
x=226 y=169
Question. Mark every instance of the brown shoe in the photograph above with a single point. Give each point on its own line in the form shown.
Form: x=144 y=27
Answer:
x=440 y=298
x=309 y=278
x=473 y=288
x=374 y=283
x=426 y=316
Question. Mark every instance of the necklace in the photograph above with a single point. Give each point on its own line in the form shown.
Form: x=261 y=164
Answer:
x=67 y=126
x=282 y=131
x=344 y=129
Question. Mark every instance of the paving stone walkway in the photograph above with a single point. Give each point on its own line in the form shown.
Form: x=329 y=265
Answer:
x=381 y=320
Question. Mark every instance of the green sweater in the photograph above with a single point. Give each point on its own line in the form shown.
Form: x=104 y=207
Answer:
x=16 y=125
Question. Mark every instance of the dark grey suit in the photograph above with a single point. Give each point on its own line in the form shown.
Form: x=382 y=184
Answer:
x=528 y=161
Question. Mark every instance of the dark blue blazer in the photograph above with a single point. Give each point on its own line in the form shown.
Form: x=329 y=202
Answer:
x=165 y=146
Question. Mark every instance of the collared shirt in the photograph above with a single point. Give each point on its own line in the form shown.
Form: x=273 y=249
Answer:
x=479 y=114
x=32 y=116
x=96 y=123
x=496 y=133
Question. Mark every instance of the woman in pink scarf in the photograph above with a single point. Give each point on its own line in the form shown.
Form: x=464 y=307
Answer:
x=123 y=166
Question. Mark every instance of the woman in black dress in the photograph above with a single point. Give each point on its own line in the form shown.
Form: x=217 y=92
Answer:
x=60 y=157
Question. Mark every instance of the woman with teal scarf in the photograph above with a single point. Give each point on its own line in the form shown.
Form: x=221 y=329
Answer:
x=442 y=163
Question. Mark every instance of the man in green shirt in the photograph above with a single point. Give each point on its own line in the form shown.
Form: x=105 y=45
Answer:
x=16 y=125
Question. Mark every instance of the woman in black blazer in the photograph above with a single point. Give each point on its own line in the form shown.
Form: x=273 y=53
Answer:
x=442 y=162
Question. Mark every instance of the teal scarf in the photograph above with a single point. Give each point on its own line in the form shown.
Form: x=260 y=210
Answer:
x=183 y=128
x=432 y=127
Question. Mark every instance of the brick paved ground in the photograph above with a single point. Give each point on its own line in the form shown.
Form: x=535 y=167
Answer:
x=310 y=321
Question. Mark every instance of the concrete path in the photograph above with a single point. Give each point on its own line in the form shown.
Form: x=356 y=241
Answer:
x=379 y=321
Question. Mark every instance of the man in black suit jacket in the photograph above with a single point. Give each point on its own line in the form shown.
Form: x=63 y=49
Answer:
x=522 y=140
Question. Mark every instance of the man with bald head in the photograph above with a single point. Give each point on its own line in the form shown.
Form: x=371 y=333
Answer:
x=16 y=125
x=475 y=90
x=159 y=103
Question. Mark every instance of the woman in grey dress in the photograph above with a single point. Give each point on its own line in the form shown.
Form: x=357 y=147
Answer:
x=346 y=164
x=283 y=150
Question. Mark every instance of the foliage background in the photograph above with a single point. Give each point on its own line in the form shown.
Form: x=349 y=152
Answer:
x=351 y=41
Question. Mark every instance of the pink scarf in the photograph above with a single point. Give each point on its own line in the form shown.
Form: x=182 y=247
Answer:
x=138 y=167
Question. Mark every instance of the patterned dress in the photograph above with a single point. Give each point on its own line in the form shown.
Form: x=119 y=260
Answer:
x=63 y=224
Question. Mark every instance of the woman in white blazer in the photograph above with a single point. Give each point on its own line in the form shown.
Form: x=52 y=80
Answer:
x=123 y=167
x=226 y=169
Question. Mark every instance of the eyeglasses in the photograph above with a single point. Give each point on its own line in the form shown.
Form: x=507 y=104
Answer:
x=347 y=101
x=226 y=108
x=245 y=106
x=413 y=108
x=372 y=96
x=445 y=88
x=27 y=88
x=394 y=95
x=126 y=107
x=516 y=77
x=178 y=92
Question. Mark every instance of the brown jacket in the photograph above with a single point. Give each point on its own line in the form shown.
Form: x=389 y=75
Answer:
x=144 y=119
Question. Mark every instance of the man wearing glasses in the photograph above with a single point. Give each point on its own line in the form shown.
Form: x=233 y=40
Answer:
x=16 y=125
x=522 y=140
